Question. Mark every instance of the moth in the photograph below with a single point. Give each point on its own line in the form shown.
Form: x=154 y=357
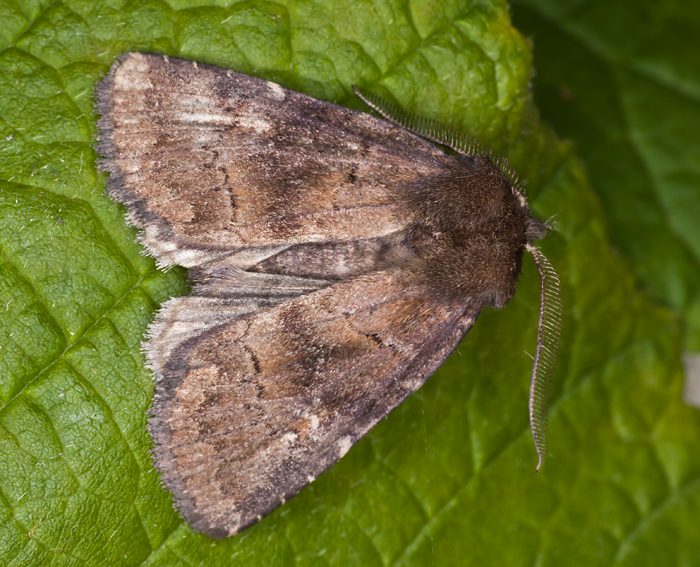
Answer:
x=336 y=259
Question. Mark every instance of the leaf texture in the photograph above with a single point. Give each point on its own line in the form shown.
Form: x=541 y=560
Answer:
x=448 y=478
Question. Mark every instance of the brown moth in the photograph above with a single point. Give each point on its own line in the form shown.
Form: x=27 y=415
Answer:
x=336 y=260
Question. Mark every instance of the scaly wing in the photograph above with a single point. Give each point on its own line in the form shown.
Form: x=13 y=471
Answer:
x=216 y=164
x=251 y=411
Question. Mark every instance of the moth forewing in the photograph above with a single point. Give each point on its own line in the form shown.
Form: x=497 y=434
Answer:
x=337 y=259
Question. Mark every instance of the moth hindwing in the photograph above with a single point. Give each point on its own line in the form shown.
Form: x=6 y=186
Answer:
x=336 y=260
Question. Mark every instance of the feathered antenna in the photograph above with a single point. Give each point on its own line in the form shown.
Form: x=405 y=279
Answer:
x=424 y=127
x=437 y=132
x=548 y=332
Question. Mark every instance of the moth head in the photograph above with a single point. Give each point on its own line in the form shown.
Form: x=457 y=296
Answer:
x=535 y=229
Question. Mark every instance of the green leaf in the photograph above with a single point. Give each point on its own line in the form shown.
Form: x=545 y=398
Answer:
x=622 y=81
x=448 y=478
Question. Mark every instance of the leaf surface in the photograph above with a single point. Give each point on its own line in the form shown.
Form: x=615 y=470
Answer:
x=449 y=477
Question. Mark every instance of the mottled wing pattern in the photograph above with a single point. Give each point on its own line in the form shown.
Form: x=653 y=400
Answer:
x=252 y=411
x=308 y=320
x=215 y=302
x=275 y=167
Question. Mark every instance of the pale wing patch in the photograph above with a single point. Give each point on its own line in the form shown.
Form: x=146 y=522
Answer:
x=277 y=92
x=204 y=118
x=257 y=124
x=132 y=74
x=344 y=444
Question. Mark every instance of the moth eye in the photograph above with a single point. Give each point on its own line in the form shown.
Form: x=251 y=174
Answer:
x=498 y=298
x=535 y=229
